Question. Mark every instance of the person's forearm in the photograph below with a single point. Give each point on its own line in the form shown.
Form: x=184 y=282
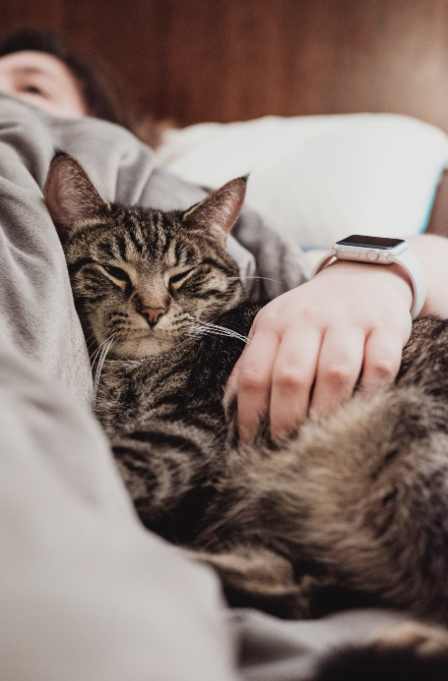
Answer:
x=432 y=253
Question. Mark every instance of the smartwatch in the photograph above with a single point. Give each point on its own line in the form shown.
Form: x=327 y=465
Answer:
x=380 y=251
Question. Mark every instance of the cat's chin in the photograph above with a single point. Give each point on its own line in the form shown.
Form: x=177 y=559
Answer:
x=138 y=348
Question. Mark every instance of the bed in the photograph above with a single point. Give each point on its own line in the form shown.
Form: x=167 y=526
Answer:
x=86 y=592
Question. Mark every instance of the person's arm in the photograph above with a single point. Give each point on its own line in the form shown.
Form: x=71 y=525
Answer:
x=432 y=252
x=310 y=345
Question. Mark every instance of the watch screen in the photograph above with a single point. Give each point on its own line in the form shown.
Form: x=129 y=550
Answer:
x=370 y=241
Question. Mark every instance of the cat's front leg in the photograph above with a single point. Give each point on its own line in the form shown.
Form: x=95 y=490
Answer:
x=256 y=577
x=149 y=481
x=165 y=475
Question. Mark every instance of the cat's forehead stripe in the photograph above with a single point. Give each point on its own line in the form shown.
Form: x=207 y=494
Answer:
x=167 y=244
x=107 y=249
x=135 y=235
x=179 y=251
x=121 y=244
x=155 y=236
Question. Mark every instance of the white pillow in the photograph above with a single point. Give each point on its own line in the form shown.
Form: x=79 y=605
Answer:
x=320 y=178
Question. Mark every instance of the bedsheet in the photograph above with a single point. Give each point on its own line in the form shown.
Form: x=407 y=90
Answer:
x=317 y=179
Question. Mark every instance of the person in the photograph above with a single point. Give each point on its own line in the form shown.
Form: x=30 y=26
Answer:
x=308 y=348
x=57 y=80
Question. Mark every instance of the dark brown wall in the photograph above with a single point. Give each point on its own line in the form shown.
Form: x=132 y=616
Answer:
x=225 y=60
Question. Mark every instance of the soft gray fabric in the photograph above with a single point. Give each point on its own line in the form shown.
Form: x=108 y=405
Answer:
x=86 y=594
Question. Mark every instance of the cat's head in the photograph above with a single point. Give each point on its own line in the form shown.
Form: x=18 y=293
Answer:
x=143 y=277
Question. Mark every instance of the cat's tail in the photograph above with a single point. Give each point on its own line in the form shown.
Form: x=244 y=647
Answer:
x=361 y=497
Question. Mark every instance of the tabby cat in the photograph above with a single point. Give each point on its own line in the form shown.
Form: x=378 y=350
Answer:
x=353 y=509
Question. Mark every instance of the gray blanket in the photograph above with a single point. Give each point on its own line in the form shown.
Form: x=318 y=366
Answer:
x=86 y=594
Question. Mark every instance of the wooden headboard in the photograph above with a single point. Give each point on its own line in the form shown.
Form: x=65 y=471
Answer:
x=226 y=60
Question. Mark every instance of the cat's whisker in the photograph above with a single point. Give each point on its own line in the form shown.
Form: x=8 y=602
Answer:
x=206 y=328
x=90 y=339
x=276 y=281
x=220 y=337
x=75 y=365
x=94 y=357
x=225 y=331
x=107 y=344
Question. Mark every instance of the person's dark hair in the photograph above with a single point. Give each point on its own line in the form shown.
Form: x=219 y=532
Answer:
x=101 y=96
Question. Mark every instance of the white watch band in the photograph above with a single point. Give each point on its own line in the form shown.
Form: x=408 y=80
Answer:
x=406 y=260
x=411 y=265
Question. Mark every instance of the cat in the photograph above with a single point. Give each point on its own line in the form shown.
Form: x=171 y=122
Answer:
x=351 y=510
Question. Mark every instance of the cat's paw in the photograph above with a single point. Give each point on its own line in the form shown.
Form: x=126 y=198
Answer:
x=408 y=650
x=421 y=639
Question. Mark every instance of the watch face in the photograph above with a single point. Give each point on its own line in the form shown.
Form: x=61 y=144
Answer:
x=370 y=241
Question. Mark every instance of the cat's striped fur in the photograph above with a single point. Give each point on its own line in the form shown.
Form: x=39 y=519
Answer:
x=354 y=509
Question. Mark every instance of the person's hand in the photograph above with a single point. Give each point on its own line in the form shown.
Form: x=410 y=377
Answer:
x=309 y=346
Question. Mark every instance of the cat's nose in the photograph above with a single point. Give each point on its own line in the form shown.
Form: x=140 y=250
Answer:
x=152 y=315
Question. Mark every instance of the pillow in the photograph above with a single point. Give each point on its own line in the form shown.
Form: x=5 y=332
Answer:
x=320 y=178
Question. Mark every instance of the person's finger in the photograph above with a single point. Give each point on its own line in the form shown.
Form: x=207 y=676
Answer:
x=254 y=381
x=232 y=382
x=382 y=357
x=292 y=379
x=232 y=385
x=338 y=369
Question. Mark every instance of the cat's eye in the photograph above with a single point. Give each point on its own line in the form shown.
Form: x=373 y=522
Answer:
x=117 y=273
x=178 y=278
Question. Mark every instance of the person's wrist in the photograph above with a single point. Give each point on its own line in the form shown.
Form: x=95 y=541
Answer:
x=395 y=275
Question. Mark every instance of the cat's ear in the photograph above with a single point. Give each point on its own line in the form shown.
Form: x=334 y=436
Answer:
x=70 y=195
x=215 y=215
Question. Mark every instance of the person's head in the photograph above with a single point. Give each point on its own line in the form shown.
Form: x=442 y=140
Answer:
x=36 y=66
